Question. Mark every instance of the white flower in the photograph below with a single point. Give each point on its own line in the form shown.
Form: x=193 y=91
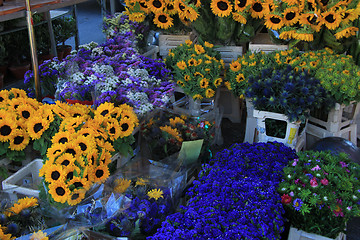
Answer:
x=318 y=175
x=325 y=198
x=283 y=189
x=289 y=176
x=354 y=197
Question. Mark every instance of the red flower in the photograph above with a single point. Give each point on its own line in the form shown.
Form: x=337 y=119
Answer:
x=313 y=182
x=285 y=199
x=325 y=181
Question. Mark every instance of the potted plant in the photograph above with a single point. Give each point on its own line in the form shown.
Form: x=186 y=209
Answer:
x=197 y=69
x=320 y=192
x=64 y=28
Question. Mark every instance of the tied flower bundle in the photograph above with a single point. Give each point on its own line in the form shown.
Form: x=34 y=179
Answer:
x=21 y=218
x=337 y=73
x=252 y=64
x=82 y=149
x=322 y=23
x=320 y=189
x=196 y=68
x=235 y=197
x=165 y=132
x=121 y=24
x=150 y=204
x=286 y=91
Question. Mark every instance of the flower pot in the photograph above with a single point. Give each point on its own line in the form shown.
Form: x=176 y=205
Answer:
x=67 y=50
x=60 y=53
x=295 y=234
x=18 y=71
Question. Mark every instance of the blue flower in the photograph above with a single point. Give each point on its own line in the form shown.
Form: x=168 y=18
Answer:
x=297 y=204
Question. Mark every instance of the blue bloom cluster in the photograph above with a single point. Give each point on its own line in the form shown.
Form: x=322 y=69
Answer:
x=235 y=197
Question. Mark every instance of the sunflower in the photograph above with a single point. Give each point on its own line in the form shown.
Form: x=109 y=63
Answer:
x=100 y=173
x=86 y=132
x=54 y=151
x=198 y=74
x=199 y=49
x=196 y=3
x=61 y=137
x=7 y=129
x=47 y=114
x=170 y=8
x=291 y=16
x=287 y=34
x=209 y=93
x=291 y=2
x=105 y=109
x=259 y=9
x=25 y=111
x=73 y=148
x=105 y=157
x=156 y=6
x=4 y=236
x=121 y=185
x=181 y=65
x=85 y=143
x=221 y=8
x=349 y=15
x=79 y=110
x=39 y=235
x=92 y=157
x=65 y=160
x=172 y=131
x=141 y=182
x=126 y=127
x=273 y=21
x=331 y=19
x=155 y=193
x=191 y=62
x=79 y=182
x=21 y=204
x=235 y=66
x=36 y=126
x=104 y=145
x=137 y=16
x=71 y=124
x=204 y=83
x=54 y=173
x=76 y=196
x=59 y=191
x=4 y=95
x=346 y=32
x=240 y=77
x=176 y=120
x=20 y=139
x=239 y=17
x=240 y=5
x=71 y=171
x=5 y=114
x=61 y=109
x=308 y=37
x=218 y=82
x=190 y=14
x=15 y=103
x=197 y=96
x=310 y=19
x=95 y=125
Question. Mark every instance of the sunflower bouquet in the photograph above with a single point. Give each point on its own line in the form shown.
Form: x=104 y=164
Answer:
x=196 y=69
x=21 y=218
x=170 y=130
x=16 y=129
x=318 y=23
x=81 y=150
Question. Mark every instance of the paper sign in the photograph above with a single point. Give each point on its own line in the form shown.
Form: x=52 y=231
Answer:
x=190 y=151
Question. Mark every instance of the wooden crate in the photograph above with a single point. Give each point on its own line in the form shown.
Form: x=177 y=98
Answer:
x=262 y=42
x=167 y=42
x=229 y=53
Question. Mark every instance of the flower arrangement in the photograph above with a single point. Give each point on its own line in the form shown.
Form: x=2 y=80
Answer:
x=252 y=64
x=165 y=132
x=148 y=208
x=21 y=218
x=286 y=91
x=82 y=148
x=320 y=189
x=120 y=24
x=235 y=197
x=196 y=68
x=321 y=23
x=338 y=74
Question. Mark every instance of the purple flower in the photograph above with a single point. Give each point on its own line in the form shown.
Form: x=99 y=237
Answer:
x=297 y=204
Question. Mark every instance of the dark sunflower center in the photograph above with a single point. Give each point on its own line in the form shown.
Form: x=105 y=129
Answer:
x=142 y=4
x=170 y=7
x=181 y=7
x=78 y=184
x=112 y=130
x=92 y=159
x=223 y=6
x=65 y=162
x=257 y=7
x=124 y=126
x=5 y=130
x=242 y=3
x=63 y=140
x=1 y=99
x=86 y=134
x=18 y=140
x=290 y=16
x=25 y=114
x=103 y=113
x=346 y=15
x=99 y=173
x=60 y=191
x=75 y=196
x=83 y=146
x=56 y=151
x=77 y=115
x=71 y=151
x=70 y=175
x=311 y=19
x=38 y=127
x=157 y=4
x=16 y=106
x=275 y=20
x=330 y=18
x=55 y=175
